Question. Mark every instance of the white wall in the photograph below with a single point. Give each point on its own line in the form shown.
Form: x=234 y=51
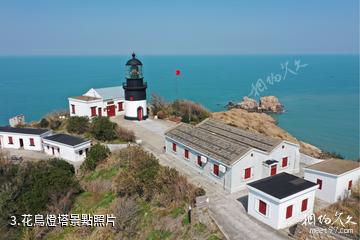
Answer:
x=4 y=139
x=333 y=187
x=328 y=189
x=276 y=209
x=66 y=152
x=83 y=108
x=132 y=106
x=223 y=180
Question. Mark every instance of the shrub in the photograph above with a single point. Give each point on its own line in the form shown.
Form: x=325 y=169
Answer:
x=96 y=154
x=55 y=124
x=77 y=125
x=103 y=129
x=44 y=123
x=125 y=134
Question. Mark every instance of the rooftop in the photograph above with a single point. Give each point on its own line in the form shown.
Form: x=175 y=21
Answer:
x=335 y=166
x=66 y=139
x=282 y=185
x=221 y=141
x=85 y=98
x=32 y=131
x=110 y=92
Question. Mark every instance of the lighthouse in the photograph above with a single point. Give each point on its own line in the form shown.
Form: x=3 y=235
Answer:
x=135 y=91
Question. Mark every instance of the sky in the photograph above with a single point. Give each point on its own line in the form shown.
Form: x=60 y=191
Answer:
x=189 y=27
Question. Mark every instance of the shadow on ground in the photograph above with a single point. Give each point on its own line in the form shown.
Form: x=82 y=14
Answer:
x=244 y=201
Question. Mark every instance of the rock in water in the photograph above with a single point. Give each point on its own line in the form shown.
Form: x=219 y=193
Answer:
x=249 y=104
x=271 y=104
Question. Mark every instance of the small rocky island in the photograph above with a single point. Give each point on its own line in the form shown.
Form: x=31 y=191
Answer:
x=266 y=104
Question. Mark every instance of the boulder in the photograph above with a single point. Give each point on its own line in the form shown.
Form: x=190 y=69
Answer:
x=270 y=104
x=249 y=104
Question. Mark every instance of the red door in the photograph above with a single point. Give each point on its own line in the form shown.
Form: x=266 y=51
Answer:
x=273 y=170
x=99 y=111
x=140 y=113
x=110 y=110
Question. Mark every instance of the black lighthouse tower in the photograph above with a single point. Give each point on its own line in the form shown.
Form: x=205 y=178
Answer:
x=135 y=90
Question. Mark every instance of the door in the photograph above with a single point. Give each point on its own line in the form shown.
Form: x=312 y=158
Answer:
x=99 y=112
x=140 y=113
x=21 y=143
x=110 y=110
x=273 y=170
x=53 y=150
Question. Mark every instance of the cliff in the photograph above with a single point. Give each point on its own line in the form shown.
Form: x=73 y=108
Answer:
x=264 y=124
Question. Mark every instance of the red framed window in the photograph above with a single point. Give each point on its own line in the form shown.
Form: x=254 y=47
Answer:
x=131 y=98
x=319 y=182
x=284 y=162
x=216 y=170
x=10 y=140
x=350 y=185
x=93 y=111
x=120 y=106
x=262 y=207
x=304 y=205
x=73 y=108
x=289 y=211
x=32 y=142
x=199 y=162
x=174 y=147
x=247 y=173
x=186 y=153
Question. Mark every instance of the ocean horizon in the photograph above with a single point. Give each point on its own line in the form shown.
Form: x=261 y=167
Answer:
x=320 y=92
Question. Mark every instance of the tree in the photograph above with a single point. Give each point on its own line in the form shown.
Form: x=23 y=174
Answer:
x=77 y=125
x=103 y=129
x=96 y=154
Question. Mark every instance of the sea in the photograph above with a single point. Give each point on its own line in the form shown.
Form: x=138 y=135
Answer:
x=320 y=93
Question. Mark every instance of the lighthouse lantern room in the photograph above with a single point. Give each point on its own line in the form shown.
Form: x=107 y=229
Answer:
x=135 y=91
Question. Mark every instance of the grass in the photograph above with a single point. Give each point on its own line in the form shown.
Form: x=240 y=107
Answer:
x=200 y=227
x=177 y=212
x=214 y=237
x=103 y=174
x=88 y=202
x=186 y=220
x=159 y=234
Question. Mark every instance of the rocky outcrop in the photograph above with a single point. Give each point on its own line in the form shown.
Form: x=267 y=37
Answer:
x=271 y=104
x=267 y=104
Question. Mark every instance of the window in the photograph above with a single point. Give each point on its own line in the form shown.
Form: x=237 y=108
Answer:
x=174 y=147
x=93 y=111
x=289 y=211
x=216 y=170
x=350 y=185
x=199 y=162
x=32 y=142
x=131 y=98
x=73 y=108
x=58 y=150
x=247 y=173
x=80 y=152
x=319 y=182
x=304 y=205
x=120 y=106
x=262 y=207
x=186 y=153
x=48 y=147
x=284 y=162
x=11 y=140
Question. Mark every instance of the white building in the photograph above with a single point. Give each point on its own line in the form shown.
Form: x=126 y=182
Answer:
x=281 y=200
x=98 y=102
x=23 y=138
x=66 y=147
x=230 y=156
x=335 y=178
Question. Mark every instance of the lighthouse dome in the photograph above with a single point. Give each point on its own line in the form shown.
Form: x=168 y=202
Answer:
x=133 y=69
x=133 y=61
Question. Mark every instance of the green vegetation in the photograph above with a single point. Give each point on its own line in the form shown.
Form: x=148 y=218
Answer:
x=182 y=110
x=106 y=174
x=158 y=234
x=33 y=188
x=103 y=129
x=327 y=154
x=78 y=125
x=97 y=154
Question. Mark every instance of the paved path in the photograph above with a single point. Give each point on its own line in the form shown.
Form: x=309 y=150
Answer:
x=228 y=210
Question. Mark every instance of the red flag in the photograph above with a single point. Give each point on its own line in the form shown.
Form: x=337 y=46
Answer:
x=177 y=72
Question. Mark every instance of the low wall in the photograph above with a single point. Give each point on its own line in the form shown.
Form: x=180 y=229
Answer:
x=308 y=160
